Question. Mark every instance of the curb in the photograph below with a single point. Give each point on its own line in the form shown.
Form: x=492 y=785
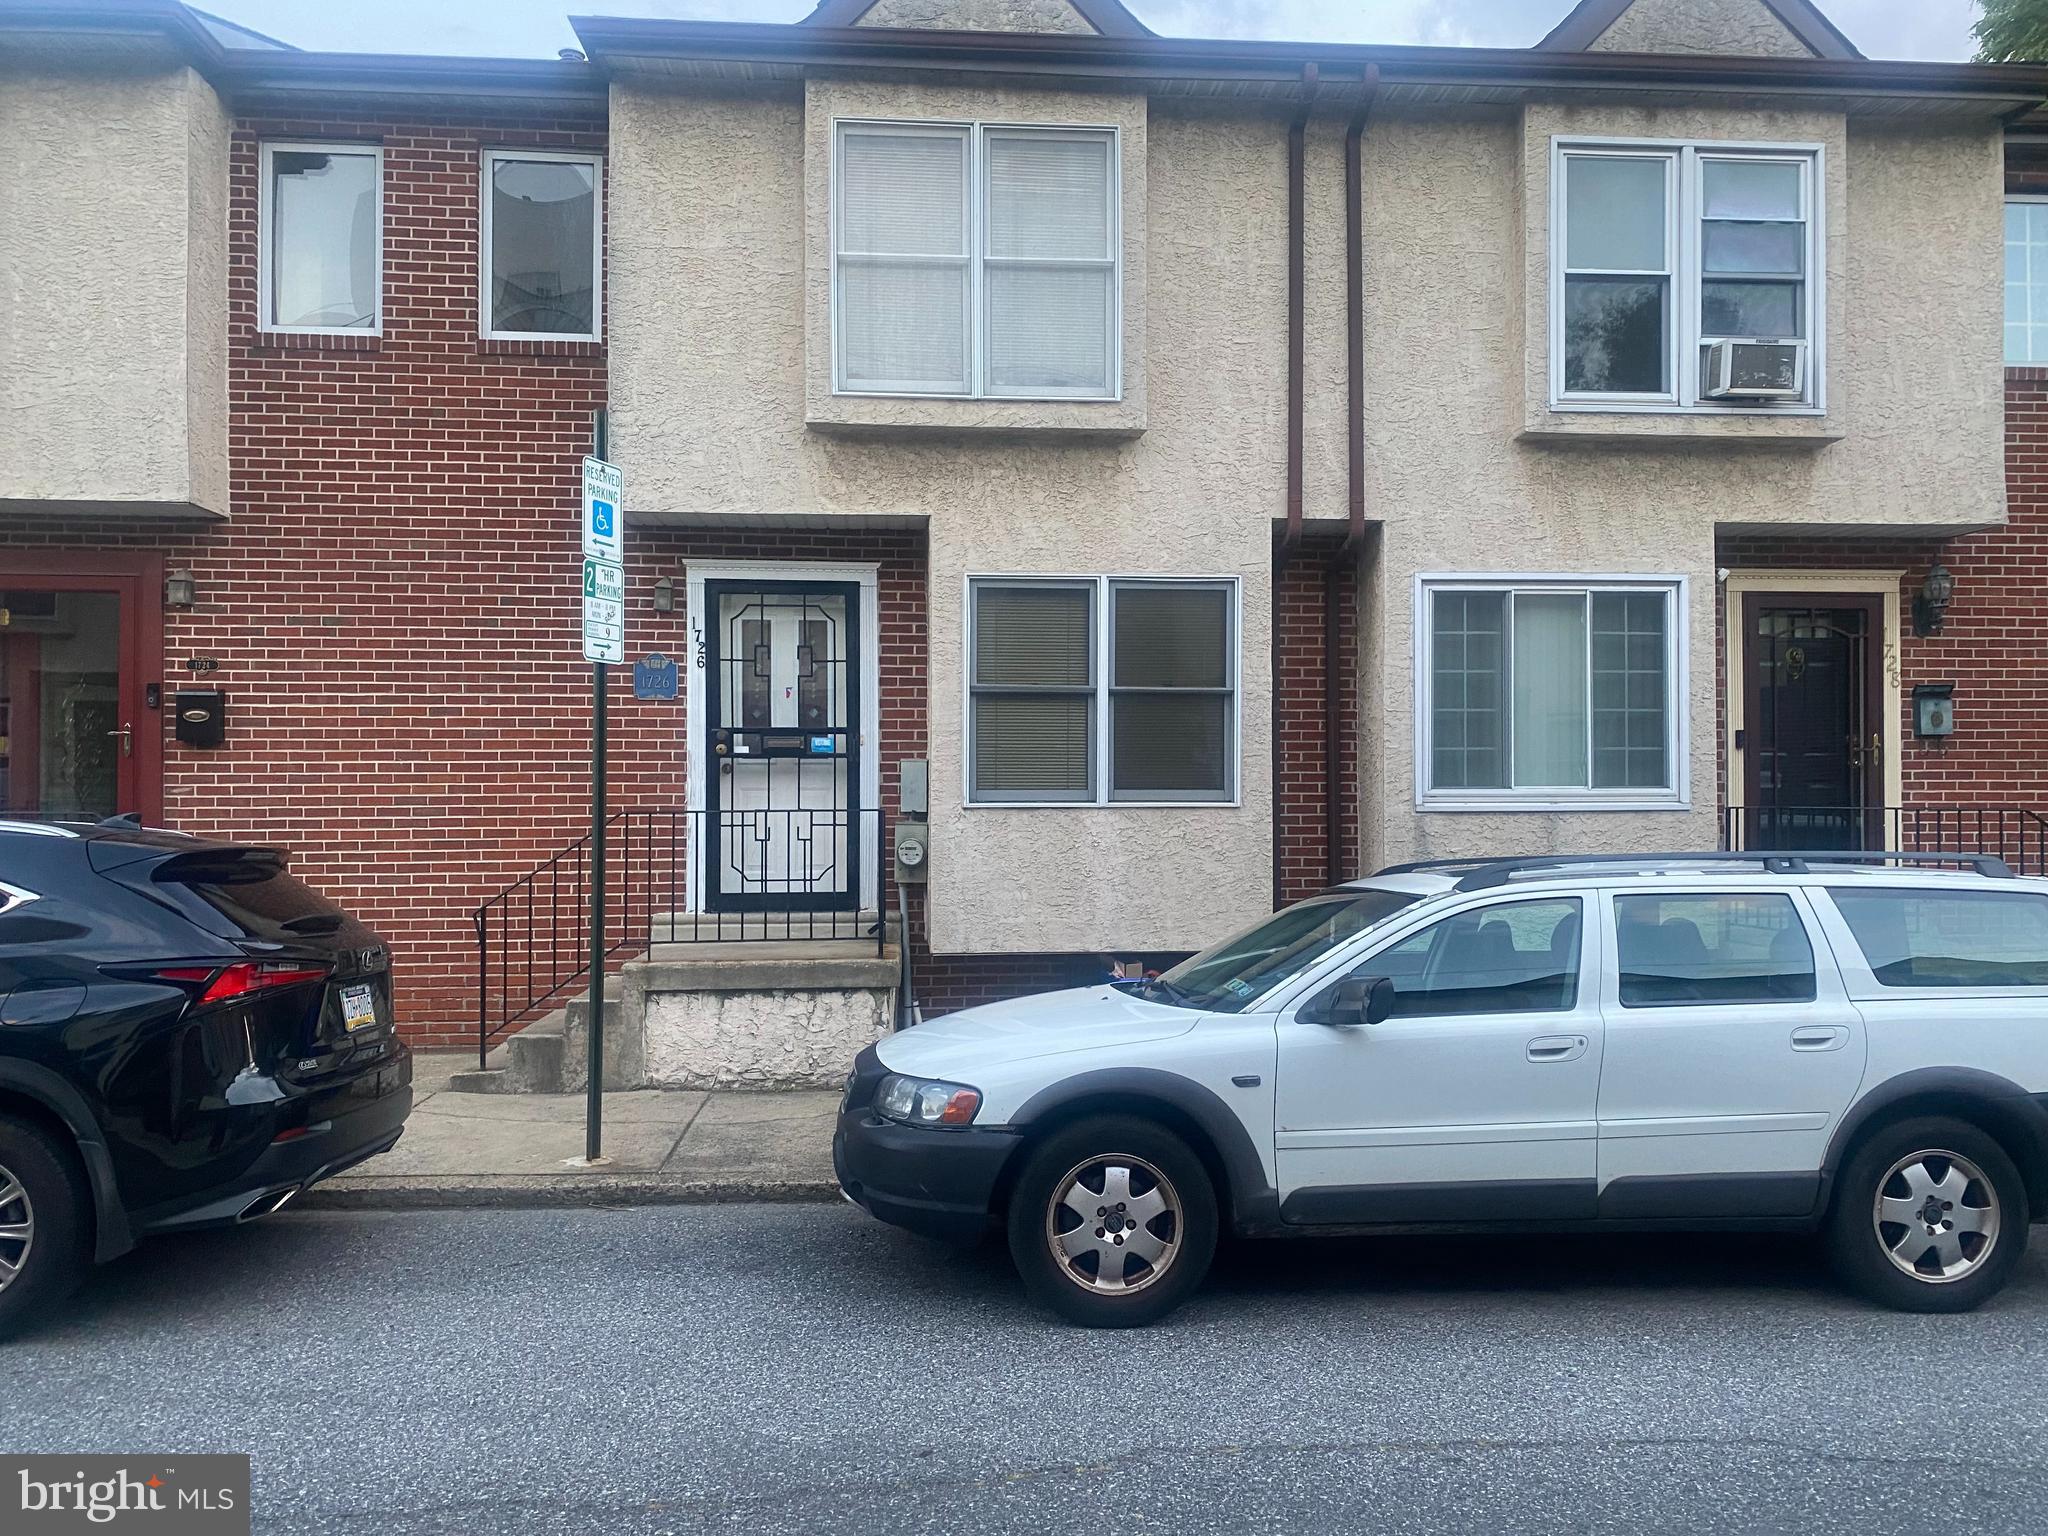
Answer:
x=512 y=1192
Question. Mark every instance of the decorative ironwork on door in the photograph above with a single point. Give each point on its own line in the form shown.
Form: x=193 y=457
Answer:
x=782 y=790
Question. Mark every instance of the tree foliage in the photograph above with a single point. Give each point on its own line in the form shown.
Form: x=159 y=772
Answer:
x=2011 y=30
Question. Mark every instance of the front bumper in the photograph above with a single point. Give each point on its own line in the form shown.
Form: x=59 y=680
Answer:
x=348 y=1123
x=941 y=1183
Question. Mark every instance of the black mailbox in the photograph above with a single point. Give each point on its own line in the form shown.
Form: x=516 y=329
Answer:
x=202 y=716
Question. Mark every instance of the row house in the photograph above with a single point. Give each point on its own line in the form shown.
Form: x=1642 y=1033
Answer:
x=1155 y=477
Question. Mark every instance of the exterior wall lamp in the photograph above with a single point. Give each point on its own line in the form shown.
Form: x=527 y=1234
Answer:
x=1931 y=604
x=664 y=595
x=180 y=590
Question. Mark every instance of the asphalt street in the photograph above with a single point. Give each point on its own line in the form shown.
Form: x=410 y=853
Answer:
x=803 y=1369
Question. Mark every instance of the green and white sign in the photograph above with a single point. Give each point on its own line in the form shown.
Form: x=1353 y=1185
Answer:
x=604 y=610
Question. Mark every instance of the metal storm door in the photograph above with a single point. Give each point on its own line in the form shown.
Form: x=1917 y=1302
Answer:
x=1814 y=757
x=782 y=791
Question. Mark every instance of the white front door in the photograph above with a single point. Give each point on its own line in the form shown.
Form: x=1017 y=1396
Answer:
x=1475 y=1101
x=1731 y=1055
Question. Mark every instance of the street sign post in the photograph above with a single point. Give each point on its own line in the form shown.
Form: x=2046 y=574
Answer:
x=604 y=642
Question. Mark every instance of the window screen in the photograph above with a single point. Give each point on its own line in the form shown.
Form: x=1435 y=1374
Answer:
x=541 y=246
x=1170 y=693
x=1675 y=950
x=1033 y=686
x=1617 y=274
x=1914 y=938
x=2026 y=282
x=1049 y=269
x=322 y=242
x=903 y=259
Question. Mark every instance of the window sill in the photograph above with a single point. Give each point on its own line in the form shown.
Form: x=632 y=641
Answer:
x=1102 y=805
x=535 y=346
x=1520 y=806
x=1791 y=427
x=895 y=414
x=317 y=341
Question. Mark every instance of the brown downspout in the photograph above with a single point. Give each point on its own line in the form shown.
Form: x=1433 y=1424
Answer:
x=1290 y=535
x=1336 y=672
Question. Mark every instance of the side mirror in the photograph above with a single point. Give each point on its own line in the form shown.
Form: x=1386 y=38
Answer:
x=1352 y=1002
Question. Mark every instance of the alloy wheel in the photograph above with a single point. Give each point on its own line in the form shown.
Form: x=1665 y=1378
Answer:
x=1114 y=1224
x=17 y=1227
x=1937 y=1216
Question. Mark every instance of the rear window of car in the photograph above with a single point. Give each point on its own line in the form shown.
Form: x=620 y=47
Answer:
x=1718 y=948
x=1922 y=938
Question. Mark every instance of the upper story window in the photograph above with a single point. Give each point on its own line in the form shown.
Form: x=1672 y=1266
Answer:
x=975 y=260
x=543 y=246
x=320 y=238
x=1048 y=680
x=1685 y=276
x=1550 y=691
x=2026 y=280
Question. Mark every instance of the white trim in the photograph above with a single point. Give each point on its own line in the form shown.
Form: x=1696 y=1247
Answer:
x=590 y=158
x=1103 y=583
x=866 y=575
x=975 y=259
x=266 y=307
x=1684 y=214
x=1676 y=795
x=1883 y=584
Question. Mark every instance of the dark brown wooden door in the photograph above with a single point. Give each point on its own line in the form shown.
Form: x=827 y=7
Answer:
x=1813 y=720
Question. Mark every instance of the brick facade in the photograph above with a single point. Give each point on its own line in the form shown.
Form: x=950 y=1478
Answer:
x=1301 y=774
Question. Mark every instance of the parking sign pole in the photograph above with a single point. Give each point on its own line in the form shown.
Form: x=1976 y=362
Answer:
x=593 y=1113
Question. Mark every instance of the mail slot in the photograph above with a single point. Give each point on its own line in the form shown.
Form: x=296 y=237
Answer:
x=201 y=715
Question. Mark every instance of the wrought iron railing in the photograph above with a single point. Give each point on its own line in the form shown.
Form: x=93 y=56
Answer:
x=2010 y=832
x=678 y=877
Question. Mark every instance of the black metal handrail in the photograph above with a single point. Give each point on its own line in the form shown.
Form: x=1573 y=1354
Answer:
x=2014 y=833
x=772 y=882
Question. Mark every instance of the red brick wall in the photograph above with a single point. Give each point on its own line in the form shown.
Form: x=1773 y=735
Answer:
x=1994 y=642
x=1301 y=773
x=393 y=601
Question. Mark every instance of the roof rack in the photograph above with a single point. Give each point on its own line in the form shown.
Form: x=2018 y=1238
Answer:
x=1486 y=873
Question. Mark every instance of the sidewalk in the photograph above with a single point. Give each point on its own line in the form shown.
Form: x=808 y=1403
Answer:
x=466 y=1149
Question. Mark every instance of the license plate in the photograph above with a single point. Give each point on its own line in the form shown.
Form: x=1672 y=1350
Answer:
x=358 y=1008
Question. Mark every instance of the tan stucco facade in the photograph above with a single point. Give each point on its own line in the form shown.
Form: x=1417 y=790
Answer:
x=721 y=215
x=977 y=15
x=113 y=293
x=1700 y=26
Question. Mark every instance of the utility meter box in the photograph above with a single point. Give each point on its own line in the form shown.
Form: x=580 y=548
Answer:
x=913 y=851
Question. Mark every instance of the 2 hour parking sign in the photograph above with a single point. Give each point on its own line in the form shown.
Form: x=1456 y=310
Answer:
x=604 y=576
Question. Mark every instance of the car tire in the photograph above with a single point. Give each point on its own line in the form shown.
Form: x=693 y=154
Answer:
x=43 y=1208
x=1968 y=1217
x=1143 y=1206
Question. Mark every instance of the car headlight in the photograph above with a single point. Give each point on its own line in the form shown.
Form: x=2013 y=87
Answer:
x=920 y=1101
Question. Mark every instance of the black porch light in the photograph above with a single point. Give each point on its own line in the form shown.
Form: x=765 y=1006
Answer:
x=1931 y=605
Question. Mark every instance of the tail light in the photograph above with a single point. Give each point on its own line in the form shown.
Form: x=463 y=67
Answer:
x=245 y=978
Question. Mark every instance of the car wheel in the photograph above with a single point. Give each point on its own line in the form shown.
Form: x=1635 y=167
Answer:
x=42 y=1224
x=1112 y=1222
x=1930 y=1216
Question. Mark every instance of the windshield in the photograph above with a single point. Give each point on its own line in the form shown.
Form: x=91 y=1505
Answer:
x=1229 y=977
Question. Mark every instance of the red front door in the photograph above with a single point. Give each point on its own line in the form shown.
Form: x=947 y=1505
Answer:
x=81 y=640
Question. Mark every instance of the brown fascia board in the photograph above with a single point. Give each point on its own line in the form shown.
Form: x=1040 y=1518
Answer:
x=262 y=75
x=614 y=42
x=90 y=19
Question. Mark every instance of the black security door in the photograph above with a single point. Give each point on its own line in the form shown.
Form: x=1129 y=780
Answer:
x=1814 y=750
x=782 y=790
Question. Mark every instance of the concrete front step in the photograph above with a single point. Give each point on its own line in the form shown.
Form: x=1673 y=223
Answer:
x=551 y=1054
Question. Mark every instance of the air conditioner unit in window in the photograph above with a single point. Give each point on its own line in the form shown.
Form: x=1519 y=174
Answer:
x=1755 y=370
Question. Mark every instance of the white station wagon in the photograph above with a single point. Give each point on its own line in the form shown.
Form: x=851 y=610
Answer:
x=1850 y=1044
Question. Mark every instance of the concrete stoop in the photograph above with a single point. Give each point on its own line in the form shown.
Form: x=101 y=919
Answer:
x=762 y=1015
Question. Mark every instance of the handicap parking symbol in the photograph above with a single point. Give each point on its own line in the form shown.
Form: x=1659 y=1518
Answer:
x=602 y=515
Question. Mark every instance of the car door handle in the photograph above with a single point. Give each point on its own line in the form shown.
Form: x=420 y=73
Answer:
x=1820 y=1037
x=1547 y=1048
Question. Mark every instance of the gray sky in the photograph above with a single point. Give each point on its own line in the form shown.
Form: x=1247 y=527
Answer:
x=1886 y=29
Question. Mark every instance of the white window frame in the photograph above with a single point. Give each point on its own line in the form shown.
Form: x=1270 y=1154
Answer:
x=1684 y=213
x=974 y=318
x=1102 y=634
x=484 y=316
x=266 y=299
x=1676 y=792
x=2036 y=199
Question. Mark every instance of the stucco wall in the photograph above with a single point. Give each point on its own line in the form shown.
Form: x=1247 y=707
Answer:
x=113 y=320
x=1700 y=26
x=978 y=15
x=709 y=417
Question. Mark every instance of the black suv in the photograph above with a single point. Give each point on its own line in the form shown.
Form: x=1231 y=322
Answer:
x=188 y=1037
